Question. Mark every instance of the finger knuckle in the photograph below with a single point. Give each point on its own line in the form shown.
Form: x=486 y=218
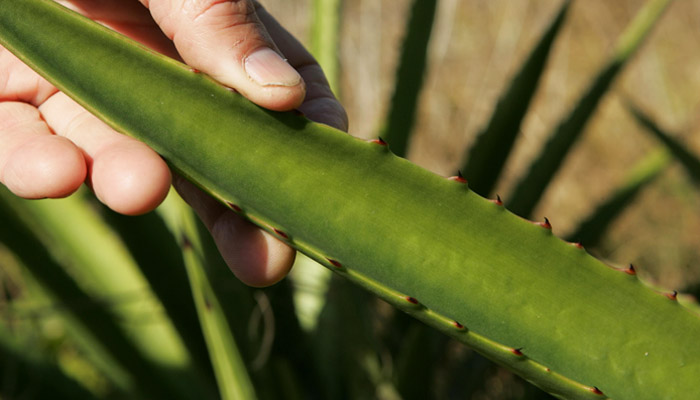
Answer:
x=199 y=9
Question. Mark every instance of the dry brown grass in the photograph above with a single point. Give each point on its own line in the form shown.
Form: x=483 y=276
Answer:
x=478 y=44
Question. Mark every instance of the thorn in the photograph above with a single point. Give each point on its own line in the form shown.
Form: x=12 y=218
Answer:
x=411 y=300
x=379 y=141
x=630 y=270
x=497 y=201
x=673 y=295
x=186 y=243
x=518 y=352
x=457 y=325
x=595 y=390
x=234 y=207
x=545 y=224
x=335 y=263
x=459 y=178
x=578 y=245
x=195 y=70
x=280 y=233
x=548 y=369
x=230 y=89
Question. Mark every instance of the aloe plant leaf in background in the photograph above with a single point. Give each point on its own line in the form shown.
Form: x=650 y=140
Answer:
x=533 y=184
x=688 y=160
x=426 y=244
x=409 y=77
x=325 y=37
x=590 y=230
x=148 y=354
x=229 y=367
x=159 y=257
x=34 y=377
x=488 y=155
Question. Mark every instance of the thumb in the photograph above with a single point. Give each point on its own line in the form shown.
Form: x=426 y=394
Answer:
x=226 y=40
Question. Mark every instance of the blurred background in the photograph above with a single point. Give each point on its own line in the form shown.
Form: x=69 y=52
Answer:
x=475 y=48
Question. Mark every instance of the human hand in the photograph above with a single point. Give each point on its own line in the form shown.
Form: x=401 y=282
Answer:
x=49 y=145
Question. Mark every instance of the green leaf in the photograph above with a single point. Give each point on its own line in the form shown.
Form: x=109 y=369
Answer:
x=325 y=32
x=276 y=372
x=409 y=77
x=688 y=160
x=229 y=367
x=158 y=256
x=590 y=231
x=91 y=313
x=344 y=340
x=27 y=376
x=488 y=155
x=531 y=187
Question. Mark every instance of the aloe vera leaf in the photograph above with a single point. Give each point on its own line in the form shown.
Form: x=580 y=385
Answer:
x=417 y=362
x=91 y=314
x=325 y=36
x=230 y=370
x=159 y=258
x=38 y=305
x=688 y=160
x=488 y=155
x=237 y=303
x=343 y=338
x=591 y=229
x=428 y=245
x=27 y=376
x=102 y=267
x=532 y=186
x=234 y=297
x=409 y=76
x=291 y=346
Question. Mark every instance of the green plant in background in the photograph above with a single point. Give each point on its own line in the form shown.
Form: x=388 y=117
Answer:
x=430 y=246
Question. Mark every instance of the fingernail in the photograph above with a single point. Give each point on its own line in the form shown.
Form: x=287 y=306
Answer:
x=266 y=68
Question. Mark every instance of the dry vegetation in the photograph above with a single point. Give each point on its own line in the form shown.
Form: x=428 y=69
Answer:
x=475 y=48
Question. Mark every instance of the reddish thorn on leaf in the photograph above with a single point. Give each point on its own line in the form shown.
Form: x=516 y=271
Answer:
x=280 y=233
x=335 y=263
x=545 y=224
x=673 y=295
x=411 y=300
x=578 y=245
x=595 y=390
x=379 y=141
x=195 y=70
x=457 y=325
x=497 y=201
x=630 y=270
x=548 y=369
x=517 y=352
x=459 y=178
x=234 y=207
x=186 y=243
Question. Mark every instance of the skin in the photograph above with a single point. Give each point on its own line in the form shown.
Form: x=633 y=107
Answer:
x=50 y=146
